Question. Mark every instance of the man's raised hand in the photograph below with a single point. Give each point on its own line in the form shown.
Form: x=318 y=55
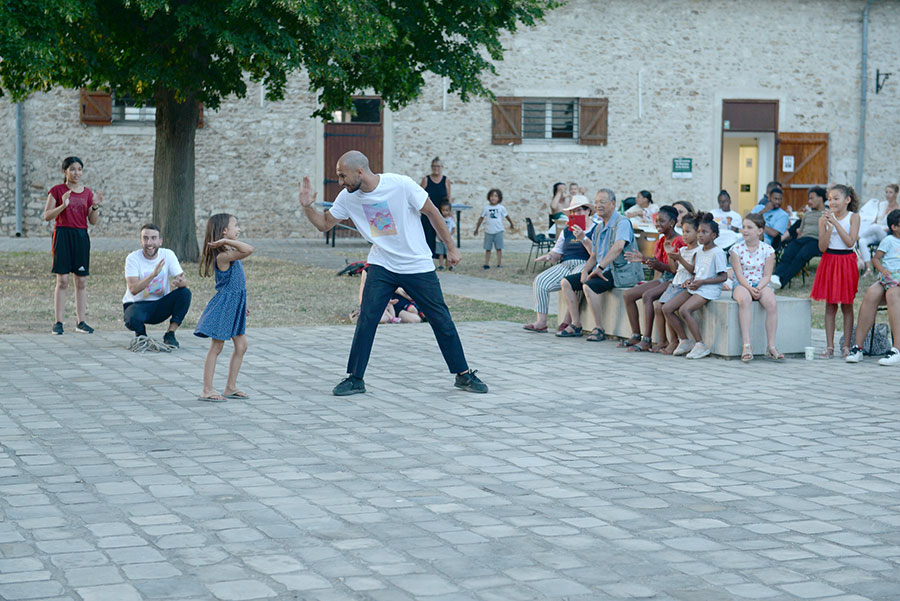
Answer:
x=307 y=196
x=159 y=267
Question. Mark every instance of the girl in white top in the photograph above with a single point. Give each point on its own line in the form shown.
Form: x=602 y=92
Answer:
x=753 y=262
x=837 y=277
x=873 y=229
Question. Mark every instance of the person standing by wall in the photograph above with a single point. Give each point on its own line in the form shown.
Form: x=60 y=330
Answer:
x=438 y=187
x=72 y=206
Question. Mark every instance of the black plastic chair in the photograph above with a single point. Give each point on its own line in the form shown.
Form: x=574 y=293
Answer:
x=539 y=242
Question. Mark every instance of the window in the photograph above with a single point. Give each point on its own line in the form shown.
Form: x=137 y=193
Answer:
x=549 y=119
x=365 y=110
x=125 y=111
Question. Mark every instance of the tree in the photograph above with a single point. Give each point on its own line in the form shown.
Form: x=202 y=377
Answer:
x=179 y=53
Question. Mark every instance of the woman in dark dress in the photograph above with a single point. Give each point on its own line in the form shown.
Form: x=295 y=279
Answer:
x=438 y=187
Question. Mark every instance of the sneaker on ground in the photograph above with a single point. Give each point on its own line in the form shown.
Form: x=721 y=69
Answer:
x=892 y=358
x=470 y=382
x=699 y=351
x=83 y=328
x=683 y=348
x=349 y=385
x=855 y=355
x=169 y=338
x=776 y=282
x=57 y=328
x=485 y=266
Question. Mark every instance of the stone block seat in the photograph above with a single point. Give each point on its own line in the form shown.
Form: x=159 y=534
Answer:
x=718 y=321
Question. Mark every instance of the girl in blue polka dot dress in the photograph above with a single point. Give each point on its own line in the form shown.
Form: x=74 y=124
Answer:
x=225 y=317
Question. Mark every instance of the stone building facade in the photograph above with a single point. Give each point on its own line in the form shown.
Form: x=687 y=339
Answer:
x=665 y=67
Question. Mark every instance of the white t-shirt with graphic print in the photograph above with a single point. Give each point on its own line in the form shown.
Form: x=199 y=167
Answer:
x=493 y=218
x=389 y=218
x=138 y=266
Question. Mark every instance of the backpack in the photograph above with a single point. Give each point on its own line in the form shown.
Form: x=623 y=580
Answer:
x=877 y=342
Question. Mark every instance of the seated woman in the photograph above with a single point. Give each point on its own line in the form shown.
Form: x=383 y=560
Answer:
x=643 y=208
x=652 y=290
x=873 y=226
x=802 y=240
x=886 y=262
x=753 y=261
x=572 y=250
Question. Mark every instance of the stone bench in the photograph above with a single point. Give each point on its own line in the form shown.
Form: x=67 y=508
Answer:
x=718 y=321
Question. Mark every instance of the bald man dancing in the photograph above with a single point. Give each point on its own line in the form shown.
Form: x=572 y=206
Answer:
x=385 y=209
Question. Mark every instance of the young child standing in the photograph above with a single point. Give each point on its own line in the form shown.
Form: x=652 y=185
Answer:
x=494 y=212
x=440 y=249
x=225 y=317
x=683 y=261
x=753 y=262
x=708 y=271
x=837 y=277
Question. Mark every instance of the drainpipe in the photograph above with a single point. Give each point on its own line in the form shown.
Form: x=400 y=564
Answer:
x=861 y=149
x=18 y=169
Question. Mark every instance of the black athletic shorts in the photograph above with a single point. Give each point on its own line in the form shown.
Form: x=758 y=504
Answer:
x=598 y=285
x=71 y=251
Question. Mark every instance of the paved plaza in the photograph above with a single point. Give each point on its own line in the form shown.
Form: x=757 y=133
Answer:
x=586 y=474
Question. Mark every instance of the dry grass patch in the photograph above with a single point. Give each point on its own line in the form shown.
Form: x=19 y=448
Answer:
x=280 y=293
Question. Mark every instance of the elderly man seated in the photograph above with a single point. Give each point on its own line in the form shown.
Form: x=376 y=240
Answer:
x=605 y=269
x=572 y=249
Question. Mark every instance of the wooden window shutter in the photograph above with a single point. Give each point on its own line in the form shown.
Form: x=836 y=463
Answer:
x=96 y=108
x=506 y=121
x=592 y=121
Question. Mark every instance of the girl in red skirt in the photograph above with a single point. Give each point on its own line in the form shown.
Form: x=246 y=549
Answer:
x=837 y=276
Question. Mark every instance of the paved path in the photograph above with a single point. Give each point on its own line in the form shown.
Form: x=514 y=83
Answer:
x=585 y=475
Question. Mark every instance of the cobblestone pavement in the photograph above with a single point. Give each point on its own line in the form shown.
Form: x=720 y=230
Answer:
x=586 y=474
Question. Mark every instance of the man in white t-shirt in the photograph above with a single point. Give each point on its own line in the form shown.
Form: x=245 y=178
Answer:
x=155 y=289
x=386 y=209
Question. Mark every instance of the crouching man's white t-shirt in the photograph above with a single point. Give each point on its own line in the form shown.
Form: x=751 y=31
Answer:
x=389 y=218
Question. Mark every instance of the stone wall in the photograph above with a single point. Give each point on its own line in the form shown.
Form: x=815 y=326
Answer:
x=690 y=56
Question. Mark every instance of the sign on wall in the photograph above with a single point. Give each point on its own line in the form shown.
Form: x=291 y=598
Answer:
x=682 y=168
x=787 y=163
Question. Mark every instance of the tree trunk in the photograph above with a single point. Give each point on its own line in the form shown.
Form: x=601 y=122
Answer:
x=173 y=174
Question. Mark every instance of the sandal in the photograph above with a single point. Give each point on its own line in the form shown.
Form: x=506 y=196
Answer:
x=237 y=394
x=845 y=350
x=747 y=355
x=597 y=335
x=628 y=342
x=828 y=353
x=533 y=328
x=637 y=348
x=773 y=354
x=575 y=332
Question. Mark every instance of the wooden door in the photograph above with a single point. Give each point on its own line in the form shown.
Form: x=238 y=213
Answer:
x=362 y=130
x=807 y=165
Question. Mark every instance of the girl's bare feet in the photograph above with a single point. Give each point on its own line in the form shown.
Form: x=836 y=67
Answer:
x=659 y=348
x=670 y=348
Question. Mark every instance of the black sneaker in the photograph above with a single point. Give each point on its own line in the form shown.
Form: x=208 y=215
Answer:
x=349 y=385
x=470 y=382
x=169 y=338
x=83 y=328
x=57 y=328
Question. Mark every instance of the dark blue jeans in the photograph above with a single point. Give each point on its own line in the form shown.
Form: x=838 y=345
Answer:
x=795 y=255
x=425 y=290
x=175 y=305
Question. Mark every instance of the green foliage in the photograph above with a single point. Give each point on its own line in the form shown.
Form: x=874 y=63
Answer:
x=204 y=48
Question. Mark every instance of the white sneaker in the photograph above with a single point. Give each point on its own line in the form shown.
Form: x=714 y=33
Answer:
x=683 y=347
x=855 y=355
x=699 y=351
x=776 y=282
x=892 y=358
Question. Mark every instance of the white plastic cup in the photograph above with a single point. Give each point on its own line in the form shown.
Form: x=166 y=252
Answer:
x=809 y=351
